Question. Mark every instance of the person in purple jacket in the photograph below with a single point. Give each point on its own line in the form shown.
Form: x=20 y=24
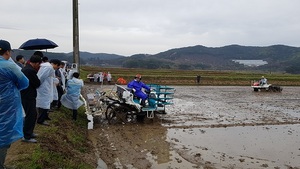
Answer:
x=136 y=85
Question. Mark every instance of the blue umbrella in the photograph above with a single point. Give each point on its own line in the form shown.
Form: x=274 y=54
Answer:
x=34 y=44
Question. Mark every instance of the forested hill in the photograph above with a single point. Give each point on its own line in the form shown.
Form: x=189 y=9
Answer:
x=279 y=58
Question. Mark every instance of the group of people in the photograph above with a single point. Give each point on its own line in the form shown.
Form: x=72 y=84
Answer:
x=28 y=90
x=100 y=77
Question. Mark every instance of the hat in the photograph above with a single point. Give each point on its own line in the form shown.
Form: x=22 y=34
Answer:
x=4 y=45
x=138 y=76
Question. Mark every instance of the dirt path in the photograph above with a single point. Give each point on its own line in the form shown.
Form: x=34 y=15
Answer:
x=209 y=127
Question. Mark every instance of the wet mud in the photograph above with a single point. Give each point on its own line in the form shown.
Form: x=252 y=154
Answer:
x=208 y=127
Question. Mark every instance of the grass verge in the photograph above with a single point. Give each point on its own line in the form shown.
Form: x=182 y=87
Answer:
x=63 y=144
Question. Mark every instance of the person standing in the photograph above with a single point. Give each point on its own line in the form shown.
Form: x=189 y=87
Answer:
x=96 y=77
x=63 y=75
x=12 y=81
x=101 y=78
x=38 y=53
x=71 y=98
x=44 y=97
x=104 y=76
x=59 y=73
x=20 y=61
x=198 y=79
x=108 y=77
x=54 y=103
x=28 y=96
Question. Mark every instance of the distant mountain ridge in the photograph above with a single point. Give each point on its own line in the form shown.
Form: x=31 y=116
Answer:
x=279 y=58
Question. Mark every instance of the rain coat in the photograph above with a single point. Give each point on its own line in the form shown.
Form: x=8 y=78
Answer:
x=12 y=80
x=55 y=93
x=138 y=86
x=108 y=77
x=44 y=97
x=63 y=78
x=71 y=98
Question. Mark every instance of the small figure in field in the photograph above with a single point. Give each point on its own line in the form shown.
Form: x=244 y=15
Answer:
x=263 y=81
x=198 y=79
x=108 y=77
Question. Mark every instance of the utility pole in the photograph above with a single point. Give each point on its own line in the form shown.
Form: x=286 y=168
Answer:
x=76 y=57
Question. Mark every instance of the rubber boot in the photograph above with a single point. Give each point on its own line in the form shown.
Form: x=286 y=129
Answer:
x=75 y=115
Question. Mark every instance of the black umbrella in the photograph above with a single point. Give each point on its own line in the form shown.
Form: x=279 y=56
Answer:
x=34 y=44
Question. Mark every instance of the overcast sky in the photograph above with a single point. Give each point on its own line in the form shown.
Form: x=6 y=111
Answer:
x=128 y=27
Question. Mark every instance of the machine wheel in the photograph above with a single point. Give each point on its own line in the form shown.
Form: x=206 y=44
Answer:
x=120 y=114
x=110 y=114
x=255 y=89
x=110 y=109
x=115 y=115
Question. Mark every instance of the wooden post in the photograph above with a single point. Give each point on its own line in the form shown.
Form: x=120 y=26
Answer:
x=76 y=57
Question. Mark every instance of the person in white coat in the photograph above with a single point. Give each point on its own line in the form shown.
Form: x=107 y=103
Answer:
x=71 y=99
x=55 y=93
x=44 y=98
x=96 y=77
x=108 y=77
x=60 y=74
x=63 y=75
x=101 y=77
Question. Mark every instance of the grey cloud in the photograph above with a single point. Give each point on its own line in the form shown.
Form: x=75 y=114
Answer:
x=130 y=26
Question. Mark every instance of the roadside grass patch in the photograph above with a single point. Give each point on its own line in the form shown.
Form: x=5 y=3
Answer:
x=63 y=144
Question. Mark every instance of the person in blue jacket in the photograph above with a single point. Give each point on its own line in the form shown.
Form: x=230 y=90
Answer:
x=71 y=99
x=136 y=86
x=12 y=81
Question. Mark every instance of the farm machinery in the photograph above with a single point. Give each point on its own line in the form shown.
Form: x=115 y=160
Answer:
x=120 y=105
x=257 y=86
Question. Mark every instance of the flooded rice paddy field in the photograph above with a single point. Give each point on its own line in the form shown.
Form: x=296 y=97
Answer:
x=209 y=127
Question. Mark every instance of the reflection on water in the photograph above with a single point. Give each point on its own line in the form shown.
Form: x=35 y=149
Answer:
x=253 y=146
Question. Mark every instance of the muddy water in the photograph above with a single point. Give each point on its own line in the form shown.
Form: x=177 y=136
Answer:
x=239 y=147
x=216 y=127
x=235 y=127
x=233 y=105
